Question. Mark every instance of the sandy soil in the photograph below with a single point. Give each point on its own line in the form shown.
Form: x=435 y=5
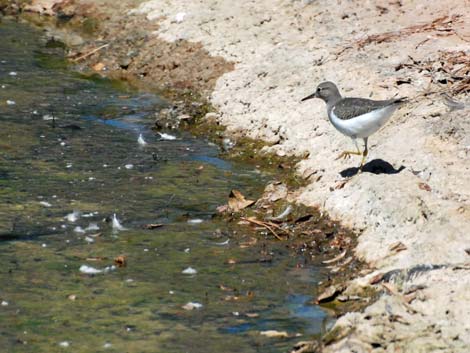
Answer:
x=254 y=63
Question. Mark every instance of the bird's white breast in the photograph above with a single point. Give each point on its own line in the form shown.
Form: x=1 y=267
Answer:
x=362 y=125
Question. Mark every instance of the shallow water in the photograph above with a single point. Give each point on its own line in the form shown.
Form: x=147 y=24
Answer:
x=69 y=143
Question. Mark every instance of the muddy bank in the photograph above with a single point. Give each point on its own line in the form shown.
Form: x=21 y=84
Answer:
x=254 y=64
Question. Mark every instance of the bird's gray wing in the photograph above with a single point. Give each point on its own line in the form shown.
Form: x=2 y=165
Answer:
x=348 y=108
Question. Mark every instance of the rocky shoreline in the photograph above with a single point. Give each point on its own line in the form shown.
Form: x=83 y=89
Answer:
x=411 y=205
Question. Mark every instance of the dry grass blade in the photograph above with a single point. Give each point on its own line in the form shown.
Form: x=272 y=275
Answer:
x=91 y=52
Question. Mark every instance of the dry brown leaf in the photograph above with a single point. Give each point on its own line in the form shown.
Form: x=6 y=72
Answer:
x=237 y=202
x=330 y=294
x=98 y=66
x=424 y=186
x=275 y=191
x=120 y=261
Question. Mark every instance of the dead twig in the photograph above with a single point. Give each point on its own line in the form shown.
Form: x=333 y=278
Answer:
x=337 y=258
x=442 y=25
x=91 y=52
x=263 y=224
x=453 y=90
x=274 y=225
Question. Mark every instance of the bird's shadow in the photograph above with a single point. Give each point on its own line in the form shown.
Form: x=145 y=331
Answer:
x=376 y=166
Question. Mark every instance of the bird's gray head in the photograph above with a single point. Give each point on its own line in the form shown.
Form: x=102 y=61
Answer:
x=326 y=91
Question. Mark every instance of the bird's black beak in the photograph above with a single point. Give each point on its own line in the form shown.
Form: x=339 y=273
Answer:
x=313 y=95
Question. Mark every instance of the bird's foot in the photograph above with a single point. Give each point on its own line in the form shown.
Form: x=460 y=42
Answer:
x=347 y=154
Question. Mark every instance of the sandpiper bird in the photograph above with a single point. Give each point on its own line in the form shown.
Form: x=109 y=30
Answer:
x=355 y=117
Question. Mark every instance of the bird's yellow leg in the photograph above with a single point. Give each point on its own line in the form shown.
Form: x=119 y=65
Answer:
x=364 y=154
x=346 y=154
